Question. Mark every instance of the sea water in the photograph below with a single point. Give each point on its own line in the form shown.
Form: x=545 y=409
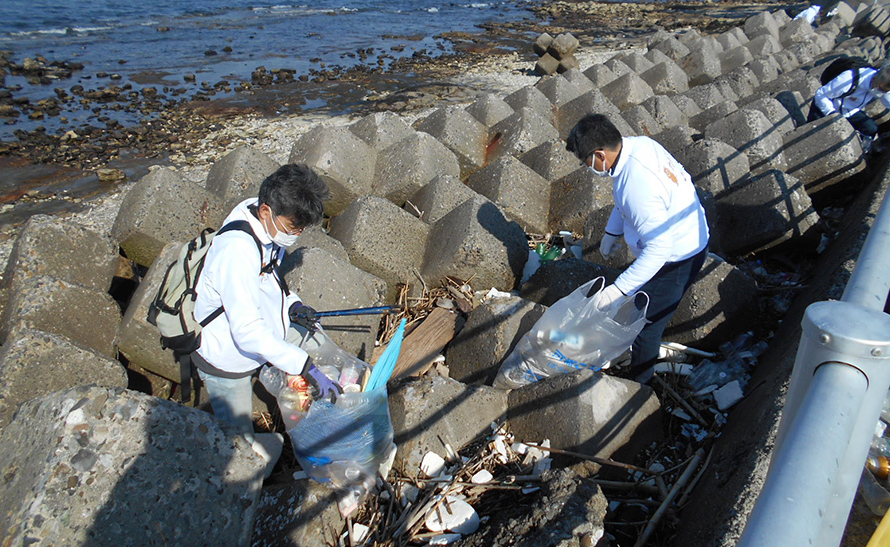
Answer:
x=158 y=43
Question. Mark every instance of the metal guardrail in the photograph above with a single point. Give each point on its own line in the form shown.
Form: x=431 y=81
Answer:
x=838 y=385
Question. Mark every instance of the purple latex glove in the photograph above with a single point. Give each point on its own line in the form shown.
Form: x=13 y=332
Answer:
x=322 y=385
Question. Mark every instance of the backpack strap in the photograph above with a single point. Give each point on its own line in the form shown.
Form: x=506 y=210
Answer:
x=855 y=83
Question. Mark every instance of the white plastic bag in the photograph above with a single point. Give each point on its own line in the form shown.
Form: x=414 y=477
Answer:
x=573 y=334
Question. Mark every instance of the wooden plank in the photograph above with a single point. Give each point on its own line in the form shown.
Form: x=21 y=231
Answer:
x=424 y=343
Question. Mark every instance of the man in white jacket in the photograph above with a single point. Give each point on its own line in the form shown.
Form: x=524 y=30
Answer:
x=849 y=93
x=658 y=213
x=241 y=279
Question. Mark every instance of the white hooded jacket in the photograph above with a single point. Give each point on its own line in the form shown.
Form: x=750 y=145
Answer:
x=253 y=327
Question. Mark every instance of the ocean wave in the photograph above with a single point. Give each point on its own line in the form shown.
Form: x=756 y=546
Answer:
x=477 y=5
x=60 y=31
x=432 y=10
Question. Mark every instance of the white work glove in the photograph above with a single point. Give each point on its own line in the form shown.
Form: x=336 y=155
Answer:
x=609 y=244
x=609 y=297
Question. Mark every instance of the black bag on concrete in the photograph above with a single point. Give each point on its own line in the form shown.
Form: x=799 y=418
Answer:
x=843 y=64
x=173 y=309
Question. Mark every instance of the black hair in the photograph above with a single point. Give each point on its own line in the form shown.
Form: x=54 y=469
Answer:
x=593 y=132
x=296 y=192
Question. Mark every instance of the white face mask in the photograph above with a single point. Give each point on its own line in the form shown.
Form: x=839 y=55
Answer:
x=595 y=171
x=282 y=239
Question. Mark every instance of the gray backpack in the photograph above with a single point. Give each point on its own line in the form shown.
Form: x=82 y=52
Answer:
x=173 y=309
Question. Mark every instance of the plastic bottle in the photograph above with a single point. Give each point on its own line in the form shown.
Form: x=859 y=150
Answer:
x=349 y=374
x=291 y=405
x=874 y=494
x=568 y=340
x=273 y=379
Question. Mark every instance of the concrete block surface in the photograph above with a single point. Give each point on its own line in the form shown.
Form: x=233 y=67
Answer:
x=489 y=109
x=585 y=412
x=665 y=111
x=314 y=237
x=476 y=241
x=641 y=121
x=705 y=96
x=761 y=23
x=382 y=239
x=590 y=102
x=522 y=194
x=161 y=207
x=461 y=133
x=558 y=89
x=409 y=164
x=67 y=251
x=627 y=90
x=636 y=61
x=295 y=513
x=381 y=129
x=600 y=75
x=763 y=211
x=115 y=467
x=429 y=411
x=666 y=78
x=439 y=197
x=519 y=133
x=823 y=153
x=551 y=160
x=716 y=112
x=775 y=112
x=763 y=45
x=701 y=66
x=687 y=105
x=345 y=162
x=675 y=138
x=557 y=279
x=530 y=97
x=714 y=165
x=140 y=341
x=491 y=332
x=35 y=363
x=751 y=132
x=238 y=175
x=574 y=196
x=89 y=317
x=673 y=48
x=720 y=304
x=734 y=58
x=798 y=30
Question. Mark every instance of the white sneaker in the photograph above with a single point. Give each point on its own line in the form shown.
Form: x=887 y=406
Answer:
x=269 y=447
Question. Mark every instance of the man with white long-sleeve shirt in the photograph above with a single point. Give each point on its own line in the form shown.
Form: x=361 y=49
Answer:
x=658 y=213
x=849 y=93
x=248 y=303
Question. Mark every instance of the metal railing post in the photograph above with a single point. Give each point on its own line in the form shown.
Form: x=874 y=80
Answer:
x=824 y=435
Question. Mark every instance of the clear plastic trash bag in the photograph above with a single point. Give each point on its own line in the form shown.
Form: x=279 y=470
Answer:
x=573 y=334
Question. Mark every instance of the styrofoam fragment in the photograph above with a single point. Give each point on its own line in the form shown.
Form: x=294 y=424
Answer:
x=679 y=413
x=728 y=395
x=481 y=477
x=432 y=465
x=680 y=369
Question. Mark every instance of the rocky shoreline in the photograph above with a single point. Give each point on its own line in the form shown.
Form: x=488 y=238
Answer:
x=176 y=118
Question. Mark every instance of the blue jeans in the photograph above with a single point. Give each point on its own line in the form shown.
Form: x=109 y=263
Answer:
x=860 y=121
x=665 y=290
x=231 y=400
